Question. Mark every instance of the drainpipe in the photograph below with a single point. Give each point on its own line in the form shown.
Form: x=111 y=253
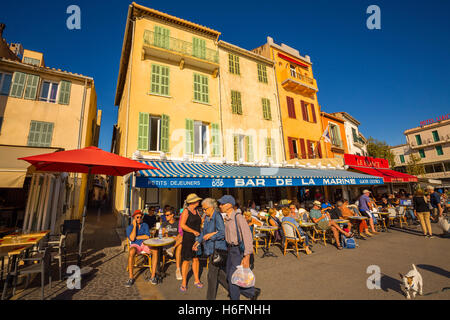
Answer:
x=220 y=113
x=80 y=136
x=130 y=66
x=279 y=107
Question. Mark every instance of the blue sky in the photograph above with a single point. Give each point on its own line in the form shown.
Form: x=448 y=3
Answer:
x=388 y=79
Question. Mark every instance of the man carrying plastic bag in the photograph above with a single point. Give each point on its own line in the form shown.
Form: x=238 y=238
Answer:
x=240 y=247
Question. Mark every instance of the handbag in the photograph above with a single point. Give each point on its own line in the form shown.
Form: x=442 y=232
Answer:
x=219 y=257
x=241 y=243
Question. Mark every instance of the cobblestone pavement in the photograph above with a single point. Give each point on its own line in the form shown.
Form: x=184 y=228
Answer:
x=326 y=274
x=104 y=254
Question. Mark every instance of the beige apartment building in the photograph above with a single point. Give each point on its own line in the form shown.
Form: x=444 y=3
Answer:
x=431 y=144
x=42 y=110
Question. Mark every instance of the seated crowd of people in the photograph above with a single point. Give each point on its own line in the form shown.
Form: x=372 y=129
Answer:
x=206 y=226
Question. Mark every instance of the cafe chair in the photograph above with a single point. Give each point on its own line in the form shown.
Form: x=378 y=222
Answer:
x=141 y=260
x=292 y=236
x=58 y=252
x=400 y=217
x=39 y=263
x=257 y=238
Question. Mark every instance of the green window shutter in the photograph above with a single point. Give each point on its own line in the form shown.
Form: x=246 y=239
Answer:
x=273 y=153
x=268 y=147
x=160 y=80
x=64 y=92
x=435 y=136
x=262 y=73
x=266 y=109
x=40 y=134
x=165 y=133
x=18 y=85
x=236 y=104
x=239 y=103
x=197 y=87
x=189 y=136
x=233 y=61
x=205 y=89
x=422 y=153
x=402 y=158
x=230 y=63
x=236 y=147
x=143 y=131
x=249 y=148
x=215 y=140
x=201 y=88
x=418 y=139
x=155 y=87
x=31 y=87
x=162 y=37
x=233 y=102
x=199 y=48
x=165 y=81
x=439 y=150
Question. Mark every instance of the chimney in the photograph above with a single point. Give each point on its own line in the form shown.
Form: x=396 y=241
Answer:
x=2 y=27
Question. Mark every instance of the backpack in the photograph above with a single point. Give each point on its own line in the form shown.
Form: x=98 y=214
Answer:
x=348 y=243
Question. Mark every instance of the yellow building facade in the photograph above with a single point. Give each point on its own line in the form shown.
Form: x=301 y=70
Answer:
x=167 y=94
x=297 y=93
x=44 y=109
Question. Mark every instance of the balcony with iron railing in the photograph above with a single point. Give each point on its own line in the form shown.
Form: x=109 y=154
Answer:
x=297 y=82
x=180 y=51
x=430 y=142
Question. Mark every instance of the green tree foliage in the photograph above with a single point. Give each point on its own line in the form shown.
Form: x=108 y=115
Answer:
x=380 y=149
x=414 y=167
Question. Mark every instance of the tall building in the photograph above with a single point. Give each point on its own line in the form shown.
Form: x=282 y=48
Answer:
x=297 y=93
x=42 y=110
x=356 y=142
x=336 y=128
x=430 y=144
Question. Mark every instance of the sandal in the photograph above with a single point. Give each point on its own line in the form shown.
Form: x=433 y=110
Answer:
x=183 y=288
x=340 y=248
x=198 y=285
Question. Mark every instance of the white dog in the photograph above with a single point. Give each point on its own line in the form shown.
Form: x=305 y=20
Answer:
x=413 y=282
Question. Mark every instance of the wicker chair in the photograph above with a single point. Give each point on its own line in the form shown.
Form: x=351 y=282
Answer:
x=292 y=235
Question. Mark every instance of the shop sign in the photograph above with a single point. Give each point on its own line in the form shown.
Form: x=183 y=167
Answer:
x=360 y=161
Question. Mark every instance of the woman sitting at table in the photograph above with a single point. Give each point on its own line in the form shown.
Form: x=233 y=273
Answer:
x=251 y=220
x=273 y=221
x=347 y=213
x=289 y=217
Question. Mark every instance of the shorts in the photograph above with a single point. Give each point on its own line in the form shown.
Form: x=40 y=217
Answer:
x=366 y=214
x=323 y=225
x=140 y=248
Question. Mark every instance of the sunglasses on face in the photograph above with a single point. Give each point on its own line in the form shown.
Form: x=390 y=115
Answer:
x=138 y=217
x=169 y=214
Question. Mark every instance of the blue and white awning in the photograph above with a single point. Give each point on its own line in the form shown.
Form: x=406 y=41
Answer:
x=177 y=174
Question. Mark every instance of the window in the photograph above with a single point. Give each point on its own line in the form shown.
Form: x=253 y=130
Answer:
x=200 y=138
x=355 y=135
x=243 y=148
x=262 y=73
x=435 y=136
x=31 y=87
x=418 y=139
x=233 y=62
x=270 y=150
x=189 y=136
x=438 y=167
x=422 y=153
x=304 y=111
x=293 y=72
x=40 y=134
x=49 y=91
x=215 y=140
x=291 y=107
x=5 y=83
x=447 y=166
x=236 y=103
x=64 y=93
x=266 y=109
x=153 y=132
x=199 y=48
x=162 y=37
x=35 y=62
x=293 y=148
x=402 y=158
x=429 y=168
x=201 y=90
x=160 y=80
x=18 y=85
x=439 y=150
x=335 y=135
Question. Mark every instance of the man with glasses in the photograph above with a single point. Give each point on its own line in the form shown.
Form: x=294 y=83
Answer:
x=137 y=233
x=170 y=229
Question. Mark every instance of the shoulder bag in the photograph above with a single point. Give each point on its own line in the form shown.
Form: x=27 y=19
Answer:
x=219 y=257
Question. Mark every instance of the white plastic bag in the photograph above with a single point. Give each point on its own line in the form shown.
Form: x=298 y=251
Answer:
x=443 y=224
x=243 y=277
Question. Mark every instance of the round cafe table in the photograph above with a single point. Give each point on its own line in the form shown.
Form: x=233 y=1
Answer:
x=159 y=244
x=267 y=229
x=308 y=226
x=357 y=220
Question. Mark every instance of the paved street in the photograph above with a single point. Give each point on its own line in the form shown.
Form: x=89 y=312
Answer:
x=326 y=274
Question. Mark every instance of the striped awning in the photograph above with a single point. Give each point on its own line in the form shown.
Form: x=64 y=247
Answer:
x=206 y=175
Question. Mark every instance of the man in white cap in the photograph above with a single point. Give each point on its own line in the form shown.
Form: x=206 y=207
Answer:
x=364 y=207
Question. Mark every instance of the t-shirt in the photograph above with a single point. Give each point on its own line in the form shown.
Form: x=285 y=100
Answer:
x=150 y=220
x=364 y=203
x=435 y=199
x=420 y=205
x=172 y=228
x=140 y=231
x=335 y=213
x=314 y=213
